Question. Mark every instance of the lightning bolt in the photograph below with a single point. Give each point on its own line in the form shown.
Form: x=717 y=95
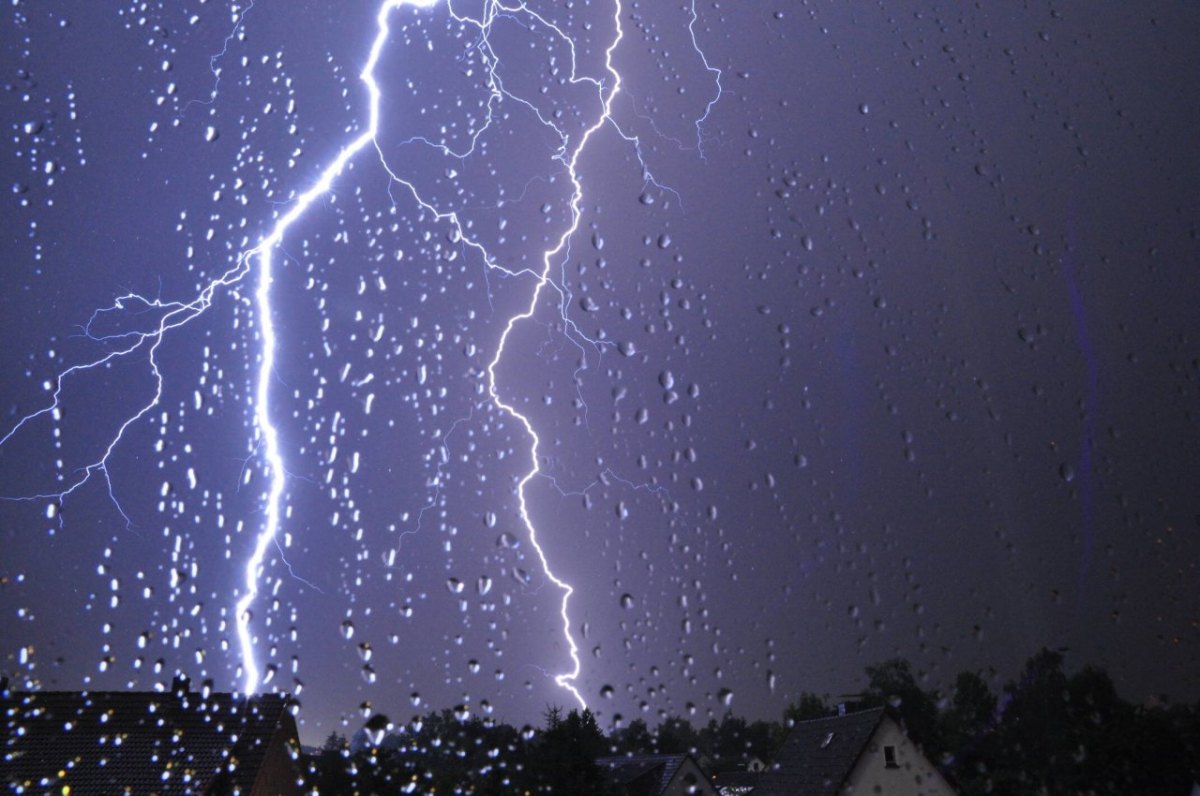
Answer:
x=567 y=679
x=262 y=253
x=258 y=261
x=570 y=158
x=712 y=70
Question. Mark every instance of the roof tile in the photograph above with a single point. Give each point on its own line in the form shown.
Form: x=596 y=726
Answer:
x=135 y=742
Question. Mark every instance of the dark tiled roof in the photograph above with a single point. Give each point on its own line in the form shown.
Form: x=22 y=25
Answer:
x=651 y=772
x=819 y=755
x=111 y=742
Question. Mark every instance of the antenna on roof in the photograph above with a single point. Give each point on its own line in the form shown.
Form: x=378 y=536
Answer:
x=850 y=707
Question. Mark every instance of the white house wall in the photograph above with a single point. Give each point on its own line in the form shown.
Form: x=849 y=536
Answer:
x=914 y=775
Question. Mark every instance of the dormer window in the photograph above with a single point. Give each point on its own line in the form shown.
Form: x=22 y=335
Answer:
x=889 y=757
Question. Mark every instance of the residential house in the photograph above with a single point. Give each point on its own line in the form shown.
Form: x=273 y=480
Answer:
x=177 y=742
x=858 y=753
x=736 y=782
x=657 y=775
x=741 y=780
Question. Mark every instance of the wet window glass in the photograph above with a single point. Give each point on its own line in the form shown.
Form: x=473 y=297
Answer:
x=566 y=394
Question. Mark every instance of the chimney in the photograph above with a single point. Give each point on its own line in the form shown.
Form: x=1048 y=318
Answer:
x=181 y=685
x=841 y=708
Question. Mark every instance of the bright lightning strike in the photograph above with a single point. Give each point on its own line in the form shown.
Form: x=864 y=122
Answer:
x=567 y=679
x=258 y=261
x=262 y=254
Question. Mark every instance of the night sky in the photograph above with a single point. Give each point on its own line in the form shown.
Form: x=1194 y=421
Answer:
x=878 y=335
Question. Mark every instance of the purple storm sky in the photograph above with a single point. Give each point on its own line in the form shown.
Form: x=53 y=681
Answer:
x=891 y=350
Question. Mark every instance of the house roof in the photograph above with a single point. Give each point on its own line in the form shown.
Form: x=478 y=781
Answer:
x=819 y=755
x=137 y=742
x=657 y=769
x=735 y=782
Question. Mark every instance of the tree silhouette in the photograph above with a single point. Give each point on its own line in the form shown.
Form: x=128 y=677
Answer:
x=635 y=739
x=809 y=706
x=892 y=684
x=676 y=735
x=567 y=751
x=969 y=717
x=1047 y=732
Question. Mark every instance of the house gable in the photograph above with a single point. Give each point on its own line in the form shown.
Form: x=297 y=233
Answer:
x=819 y=755
x=858 y=753
x=689 y=780
x=891 y=763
